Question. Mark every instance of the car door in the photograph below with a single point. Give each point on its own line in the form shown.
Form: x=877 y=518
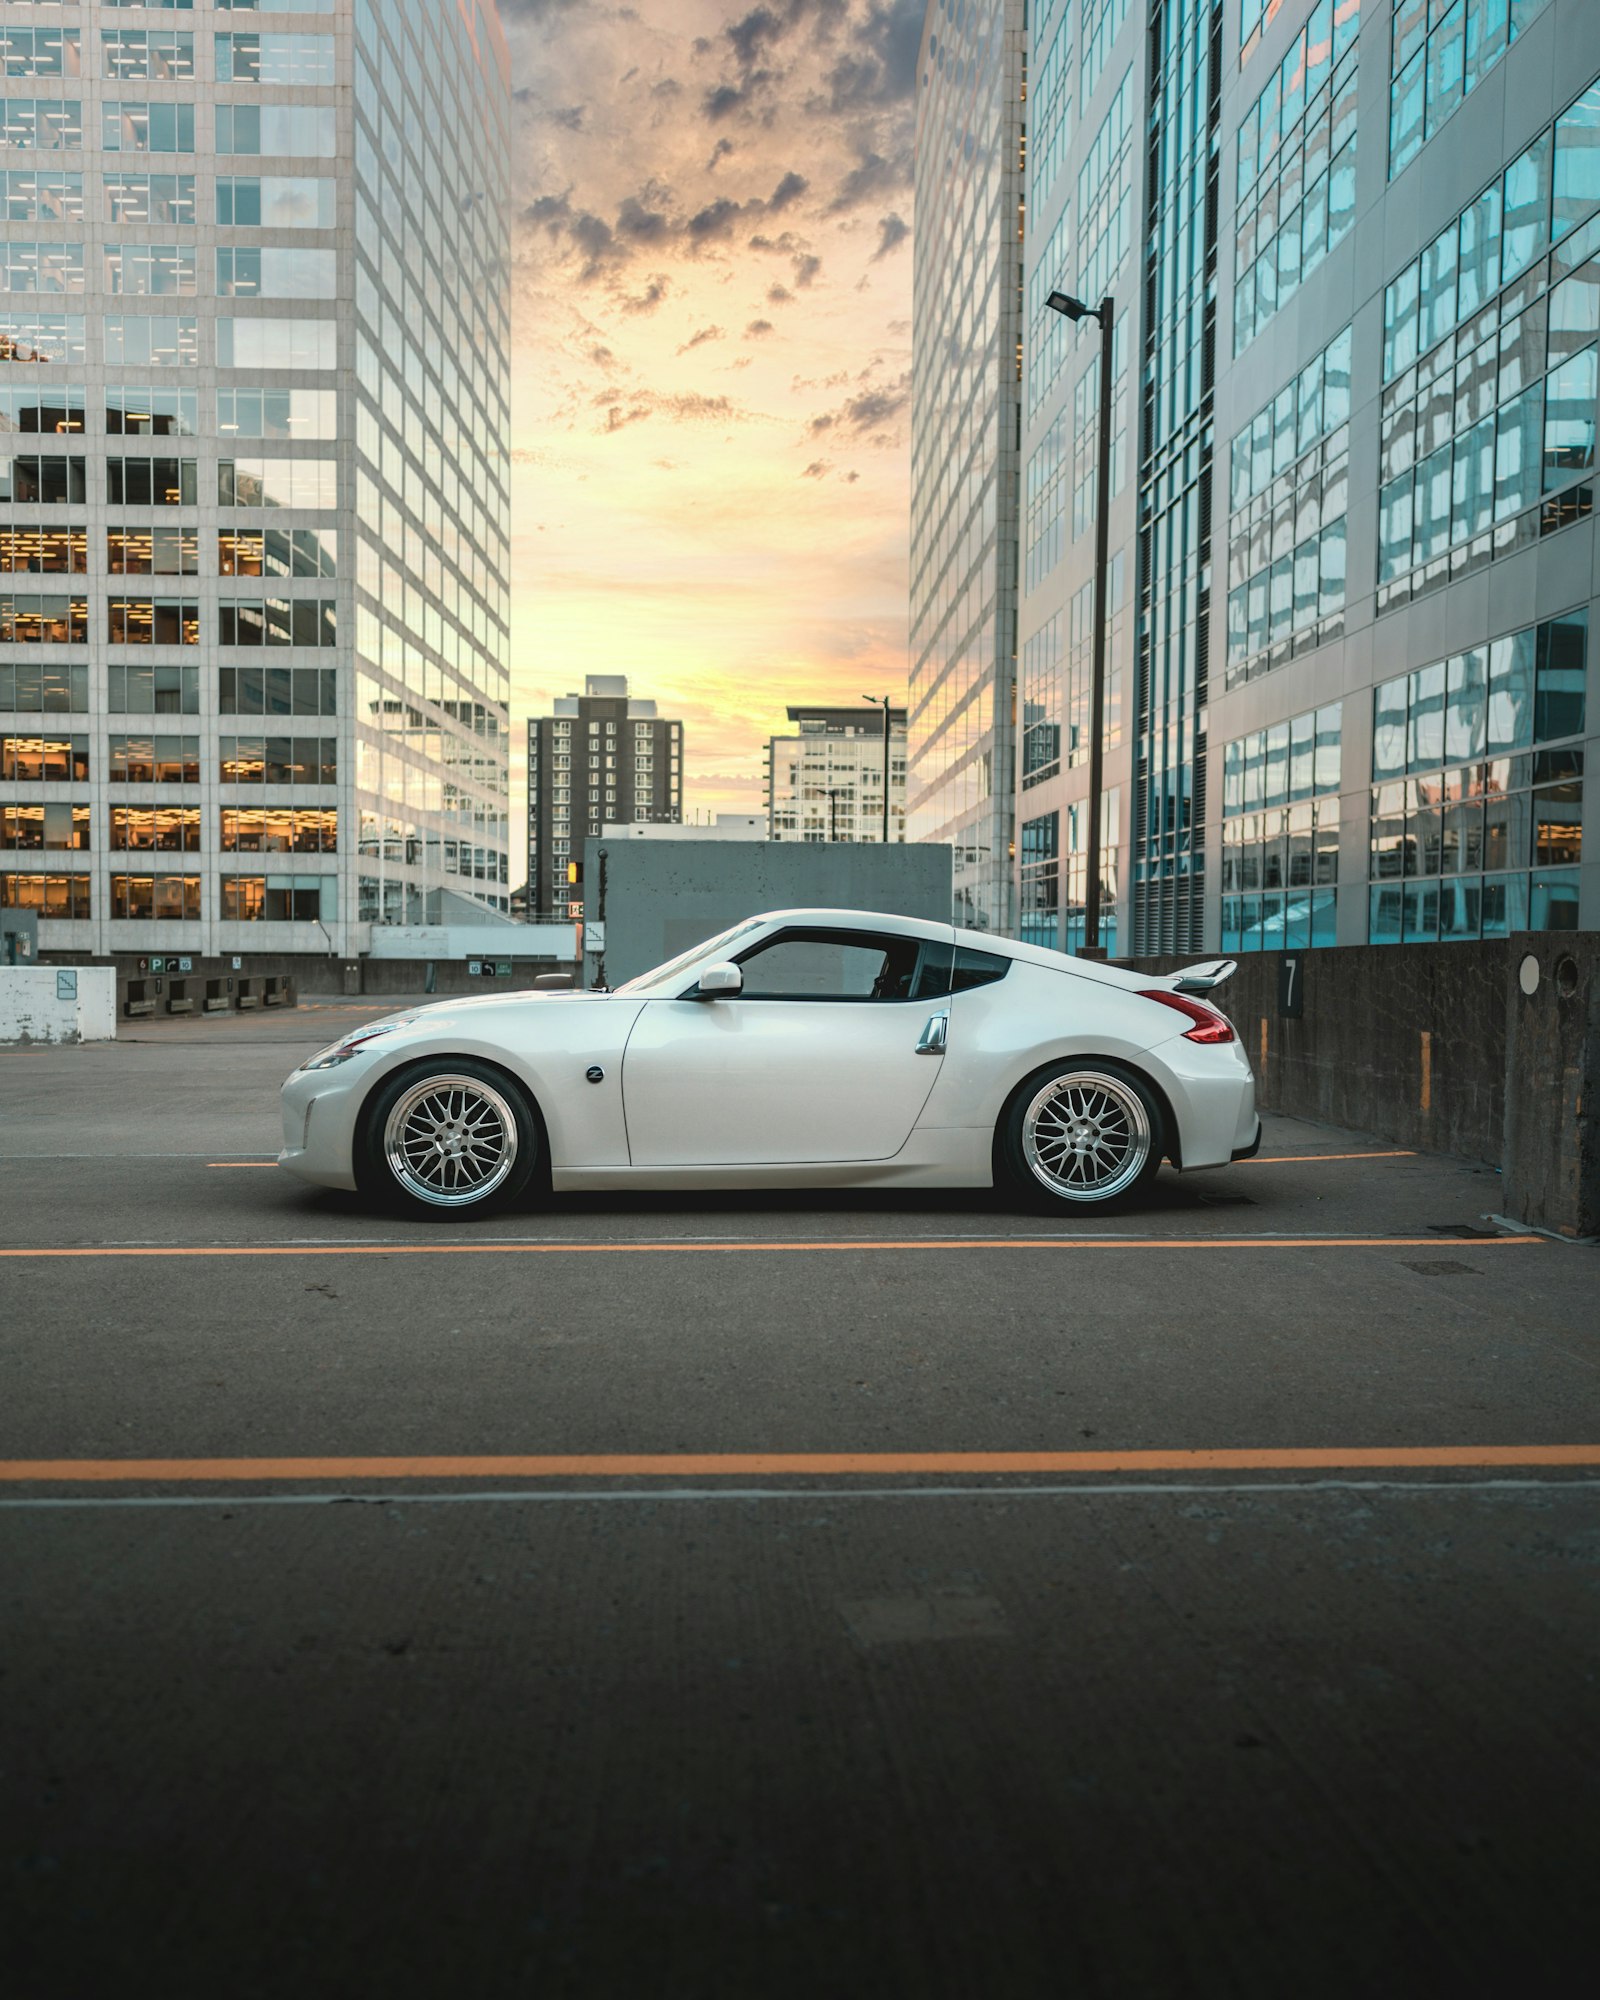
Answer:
x=826 y=1054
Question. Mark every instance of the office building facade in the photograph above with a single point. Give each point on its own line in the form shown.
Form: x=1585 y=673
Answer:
x=599 y=757
x=824 y=778
x=966 y=368
x=1353 y=249
x=254 y=338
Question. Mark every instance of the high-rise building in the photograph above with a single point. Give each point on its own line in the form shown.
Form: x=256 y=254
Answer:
x=253 y=500
x=600 y=756
x=1354 y=253
x=966 y=374
x=824 y=779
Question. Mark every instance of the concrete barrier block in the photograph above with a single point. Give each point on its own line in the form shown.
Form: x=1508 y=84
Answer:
x=47 y=1003
x=1551 y=1163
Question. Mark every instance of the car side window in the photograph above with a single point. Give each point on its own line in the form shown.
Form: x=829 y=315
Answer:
x=830 y=965
x=937 y=976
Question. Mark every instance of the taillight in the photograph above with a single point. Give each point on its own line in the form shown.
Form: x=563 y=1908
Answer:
x=1209 y=1025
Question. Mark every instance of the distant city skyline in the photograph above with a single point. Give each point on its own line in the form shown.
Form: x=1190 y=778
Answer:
x=711 y=300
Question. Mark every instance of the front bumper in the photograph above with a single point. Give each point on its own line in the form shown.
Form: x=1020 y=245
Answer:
x=319 y=1109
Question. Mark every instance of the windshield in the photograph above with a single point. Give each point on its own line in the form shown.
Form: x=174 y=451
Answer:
x=713 y=948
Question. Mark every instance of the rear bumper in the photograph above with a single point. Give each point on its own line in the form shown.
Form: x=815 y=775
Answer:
x=1249 y=1152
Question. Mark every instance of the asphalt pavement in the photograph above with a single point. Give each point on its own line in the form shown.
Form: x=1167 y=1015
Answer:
x=757 y=1595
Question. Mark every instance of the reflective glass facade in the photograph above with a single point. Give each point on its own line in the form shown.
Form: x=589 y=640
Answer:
x=253 y=515
x=966 y=366
x=1360 y=485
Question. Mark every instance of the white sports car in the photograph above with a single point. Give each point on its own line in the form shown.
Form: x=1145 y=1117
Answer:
x=805 y=1048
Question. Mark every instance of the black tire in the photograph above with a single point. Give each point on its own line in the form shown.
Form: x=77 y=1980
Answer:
x=1084 y=1134
x=447 y=1139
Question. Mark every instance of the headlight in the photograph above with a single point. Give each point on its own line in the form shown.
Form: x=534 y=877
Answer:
x=353 y=1045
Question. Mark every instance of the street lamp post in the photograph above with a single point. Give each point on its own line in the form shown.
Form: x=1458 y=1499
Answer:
x=1075 y=309
x=882 y=701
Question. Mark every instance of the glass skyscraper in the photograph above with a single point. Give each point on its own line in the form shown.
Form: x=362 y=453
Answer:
x=1355 y=254
x=253 y=505
x=966 y=369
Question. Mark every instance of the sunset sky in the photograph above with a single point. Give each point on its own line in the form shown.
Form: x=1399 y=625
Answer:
x=711 y=376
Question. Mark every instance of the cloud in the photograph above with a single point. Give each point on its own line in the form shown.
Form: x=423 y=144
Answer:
x=787 y=192
x=640 y=405
x=892 y=232
x=778 y=295
x=568 y=116
x=869 y=412
x=647 y=300
x=816 y=469
x=805 y=269
x=871 y=179
x=720 y=151
x=699 y=339
x=758 y=329
x=715 y=219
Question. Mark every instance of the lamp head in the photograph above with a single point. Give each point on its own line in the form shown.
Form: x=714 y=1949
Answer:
x=1073 y=308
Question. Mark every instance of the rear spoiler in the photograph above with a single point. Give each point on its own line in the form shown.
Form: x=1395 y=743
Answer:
x=1201 y=978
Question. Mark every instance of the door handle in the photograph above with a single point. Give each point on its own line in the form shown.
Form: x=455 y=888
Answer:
x=933 y=1035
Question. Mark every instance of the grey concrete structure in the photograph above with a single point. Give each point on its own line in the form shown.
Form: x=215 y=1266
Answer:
x=964 y=492
x=598 y=756
x=651 y=899
x=1353 y=679
x=253 y=503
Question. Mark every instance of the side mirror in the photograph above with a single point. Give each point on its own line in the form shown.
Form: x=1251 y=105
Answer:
x=719 y=982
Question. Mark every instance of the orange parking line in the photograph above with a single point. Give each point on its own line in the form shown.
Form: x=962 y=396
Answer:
x=739 y=1249
x=241 y=1163
x=1297 y=1159
x=744 y=1464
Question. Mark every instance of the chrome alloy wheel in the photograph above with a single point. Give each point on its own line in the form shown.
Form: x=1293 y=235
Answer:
x=1086 y=1135
x=450 y=1140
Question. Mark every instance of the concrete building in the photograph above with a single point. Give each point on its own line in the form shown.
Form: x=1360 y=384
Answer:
x=601 y=755
x=253 y=501
x=966 y=375
x=648 y=900
x=1353 y=252
x=725 y=826
x=824 y=780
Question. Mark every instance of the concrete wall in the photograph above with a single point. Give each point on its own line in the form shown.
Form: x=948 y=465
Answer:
x=1552 y=1142
x=1405 y=1041
x=45 y=1003
x=658 y=898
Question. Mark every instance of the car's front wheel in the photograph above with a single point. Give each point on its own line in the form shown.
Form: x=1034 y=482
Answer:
x=1082 y=1135
x=447 y=1138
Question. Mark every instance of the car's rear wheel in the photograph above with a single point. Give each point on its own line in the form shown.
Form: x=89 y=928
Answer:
x=1082 y=1135
x=447 y=1138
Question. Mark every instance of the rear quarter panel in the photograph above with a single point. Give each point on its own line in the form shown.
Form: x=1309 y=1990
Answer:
x=1002 y=1033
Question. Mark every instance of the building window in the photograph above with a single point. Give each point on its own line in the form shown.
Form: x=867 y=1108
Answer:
x=152 y=760
x=1477 y=803
x=1489 y=360
x=1280 y=834
x=40 y=551
x=1041 y=881
x=1289 y=493
x=1295 y=187
x=280 y=830
x=26 y=828
x=29 y=689
x=136 y=54
x=1105 y=197
x=43 y=759
x=155 y=898
x=41 y=124
x=44 y=620
x=130 y=126
x=53 y=897
x=1439 y=54
x=168 y=829
x=152 y=621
